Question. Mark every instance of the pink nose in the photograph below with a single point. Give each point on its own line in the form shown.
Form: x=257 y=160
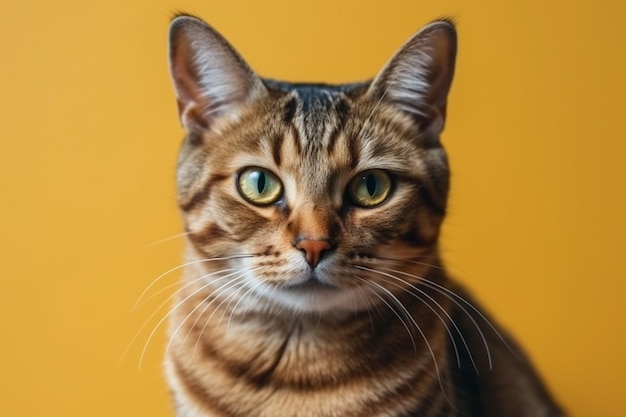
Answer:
x=313 y=249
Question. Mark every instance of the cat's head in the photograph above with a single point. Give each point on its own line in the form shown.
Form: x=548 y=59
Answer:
x=306 y=189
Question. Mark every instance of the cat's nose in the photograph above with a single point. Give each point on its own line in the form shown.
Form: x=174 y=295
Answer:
x=313 y=249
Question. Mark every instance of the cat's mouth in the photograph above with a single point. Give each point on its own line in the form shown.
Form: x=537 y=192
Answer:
x=315 y=291
x=311 y=283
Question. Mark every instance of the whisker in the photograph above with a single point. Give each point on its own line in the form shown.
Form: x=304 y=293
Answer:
x=409 y=332
x=230 y=299
x=447 y=293
x=215 y=294
x=454 y=345
x=405 y=261
x=234 y=281
x=197 y=261
x=254 y=287
x=434 y=285
x=419 y=329
x=207 y=321
x=271 y=308
x=180 y=303
x=453 y=297
x=145 y=348
x=353 y=297
x=177 y=284
x=167 y=239
x=160 y=306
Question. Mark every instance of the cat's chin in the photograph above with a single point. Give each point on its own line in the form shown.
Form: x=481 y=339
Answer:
x=316 y=296
x=311 y=281
x=311 y=286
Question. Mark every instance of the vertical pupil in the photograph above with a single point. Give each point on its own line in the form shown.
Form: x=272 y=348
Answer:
x=261 y=182
x=370 y=183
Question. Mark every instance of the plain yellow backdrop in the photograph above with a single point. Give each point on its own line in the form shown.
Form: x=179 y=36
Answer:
x=89 y=135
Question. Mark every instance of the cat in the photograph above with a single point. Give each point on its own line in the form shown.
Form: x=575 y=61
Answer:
x=313 y=283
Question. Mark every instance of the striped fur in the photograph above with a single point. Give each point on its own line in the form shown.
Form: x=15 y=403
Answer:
x=373 y=326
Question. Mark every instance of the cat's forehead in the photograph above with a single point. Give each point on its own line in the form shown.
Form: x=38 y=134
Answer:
x=318 y=110
x=324 y=129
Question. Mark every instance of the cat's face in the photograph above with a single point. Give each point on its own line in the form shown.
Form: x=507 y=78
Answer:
x=306 y=189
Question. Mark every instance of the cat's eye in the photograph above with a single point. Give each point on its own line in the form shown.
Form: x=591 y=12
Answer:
x=369 y=188
x=259 y=186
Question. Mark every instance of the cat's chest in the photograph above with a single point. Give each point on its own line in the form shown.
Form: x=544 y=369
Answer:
x=310 y=369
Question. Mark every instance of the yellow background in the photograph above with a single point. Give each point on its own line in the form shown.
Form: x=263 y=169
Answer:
x=89 y=136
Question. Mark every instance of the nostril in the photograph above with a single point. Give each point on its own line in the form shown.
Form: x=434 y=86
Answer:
x=313 y=249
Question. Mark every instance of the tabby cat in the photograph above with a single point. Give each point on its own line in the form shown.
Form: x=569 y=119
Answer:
x=313 y=285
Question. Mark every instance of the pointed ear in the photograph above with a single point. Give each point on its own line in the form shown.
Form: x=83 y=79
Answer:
x=418 y=77
x=210 y=78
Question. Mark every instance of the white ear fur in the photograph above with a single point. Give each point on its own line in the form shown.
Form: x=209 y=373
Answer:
x=209 y=76
x=418 y=77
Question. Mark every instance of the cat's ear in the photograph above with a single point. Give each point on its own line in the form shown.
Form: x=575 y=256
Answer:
x=418 y=77
x=210 y=78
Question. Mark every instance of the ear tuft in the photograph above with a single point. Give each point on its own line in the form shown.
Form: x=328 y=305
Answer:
x=418 y=77
x=210 y=78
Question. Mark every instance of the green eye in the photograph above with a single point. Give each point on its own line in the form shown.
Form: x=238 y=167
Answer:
x=259 y=186
x=369 y=188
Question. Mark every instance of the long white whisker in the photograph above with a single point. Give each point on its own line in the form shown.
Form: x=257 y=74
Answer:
x=463 y=340
x=410 y=333
x=200 y=305
x=254 y=287
x=272 y=289
x=447 y=293
x=454 y=346
x=160 y=306
x=230 y=299
x=419 y=329
x=180 y=303
x=405 y=261
x=353 y=298
x=167 y=239
x=454 y=296
x=206 y=323
x=177 y=284
x=215 y=294
x=197 y=261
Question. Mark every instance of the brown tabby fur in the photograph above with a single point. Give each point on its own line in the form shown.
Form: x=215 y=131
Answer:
x=376 y=328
